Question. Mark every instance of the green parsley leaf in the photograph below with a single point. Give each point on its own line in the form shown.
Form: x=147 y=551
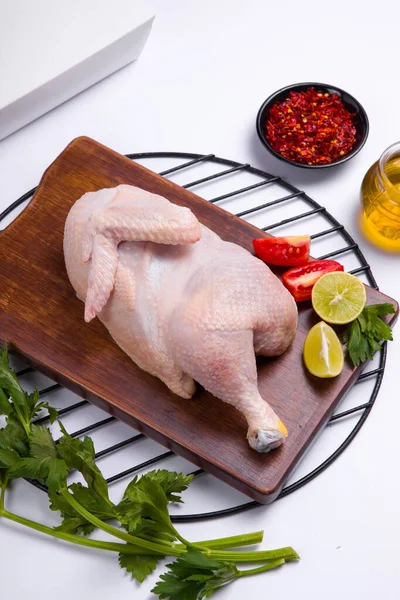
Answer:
x=3 y=477
x=8 y=458
x=364 y=334
x=175 y=589
x=172 y=483
x=147 y=491
x=346 y=334
x=53 y=412
x=381 y=309
x=138 y=565
x=42 y=463
x=52 y=471
x=144 y=508
x=129 y=515
x=13 y=443
x=35 y=457
x=143 y=496
x=9 y=384
x=5 y=406
x=4 y=356
x=194 y=559
x=194 y=576
x=78 y=525
x=73 y=522
x=357 y=345
x=13 y=437
x=32 y=400
x=94 y=503
x=79 y=454
x=41 y=443
x=57 y=475
x=199 y=577
x=378 y=329
x=24 y=405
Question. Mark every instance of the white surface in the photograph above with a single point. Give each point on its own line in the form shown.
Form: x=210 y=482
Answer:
x=52 y=50
x=197 y=87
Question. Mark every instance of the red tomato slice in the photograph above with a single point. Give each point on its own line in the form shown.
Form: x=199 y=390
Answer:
x=301 y=280
x=283 y=251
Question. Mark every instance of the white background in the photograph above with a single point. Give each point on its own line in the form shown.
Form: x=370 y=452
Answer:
x=197 y=87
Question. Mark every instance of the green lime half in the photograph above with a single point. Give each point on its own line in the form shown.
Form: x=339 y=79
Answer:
x=338 y=297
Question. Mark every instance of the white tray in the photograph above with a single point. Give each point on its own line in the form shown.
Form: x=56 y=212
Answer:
x=50 y=50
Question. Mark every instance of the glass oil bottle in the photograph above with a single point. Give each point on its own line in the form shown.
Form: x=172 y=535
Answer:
x=380 y=196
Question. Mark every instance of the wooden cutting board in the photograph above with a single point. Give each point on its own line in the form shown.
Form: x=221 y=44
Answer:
x=41 y=318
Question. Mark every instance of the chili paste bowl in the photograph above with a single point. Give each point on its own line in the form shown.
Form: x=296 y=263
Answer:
x=360 y=121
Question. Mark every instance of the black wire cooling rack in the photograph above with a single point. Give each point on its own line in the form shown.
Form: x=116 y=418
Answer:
x=239 y=189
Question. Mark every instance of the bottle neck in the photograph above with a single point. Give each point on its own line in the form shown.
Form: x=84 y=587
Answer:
x=389 y=173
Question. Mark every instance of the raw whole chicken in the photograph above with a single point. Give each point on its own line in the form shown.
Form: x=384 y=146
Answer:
x=182 y=303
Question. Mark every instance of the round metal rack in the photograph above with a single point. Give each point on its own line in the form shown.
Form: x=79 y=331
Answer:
x=239 y=188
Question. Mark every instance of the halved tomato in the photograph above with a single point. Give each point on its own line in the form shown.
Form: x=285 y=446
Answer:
x=301 y=280
x=287 y=251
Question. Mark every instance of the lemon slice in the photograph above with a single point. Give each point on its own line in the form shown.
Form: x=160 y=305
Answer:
x=338 y=297
x=323 y=354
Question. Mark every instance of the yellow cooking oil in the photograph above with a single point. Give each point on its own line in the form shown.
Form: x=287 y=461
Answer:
x=380 y=196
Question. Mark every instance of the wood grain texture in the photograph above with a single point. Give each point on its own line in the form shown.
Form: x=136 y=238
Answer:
x=41 y=318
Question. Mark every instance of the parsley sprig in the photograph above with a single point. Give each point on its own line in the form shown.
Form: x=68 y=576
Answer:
x=364 y=334
x=140 y=521
x=197 y=576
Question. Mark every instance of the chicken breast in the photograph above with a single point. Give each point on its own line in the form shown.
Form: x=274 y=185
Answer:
x=185 y=305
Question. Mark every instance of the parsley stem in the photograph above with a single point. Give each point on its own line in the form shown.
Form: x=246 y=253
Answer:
x=25 y=425
x=234 y=541
x=256 y=556
x=185 y=542
x=4 y=398
x=151 y=547
x=247 y=539
x=271 y=565
x=3 y=491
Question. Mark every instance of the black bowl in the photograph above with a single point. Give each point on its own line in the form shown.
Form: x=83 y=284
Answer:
x=361 y=122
